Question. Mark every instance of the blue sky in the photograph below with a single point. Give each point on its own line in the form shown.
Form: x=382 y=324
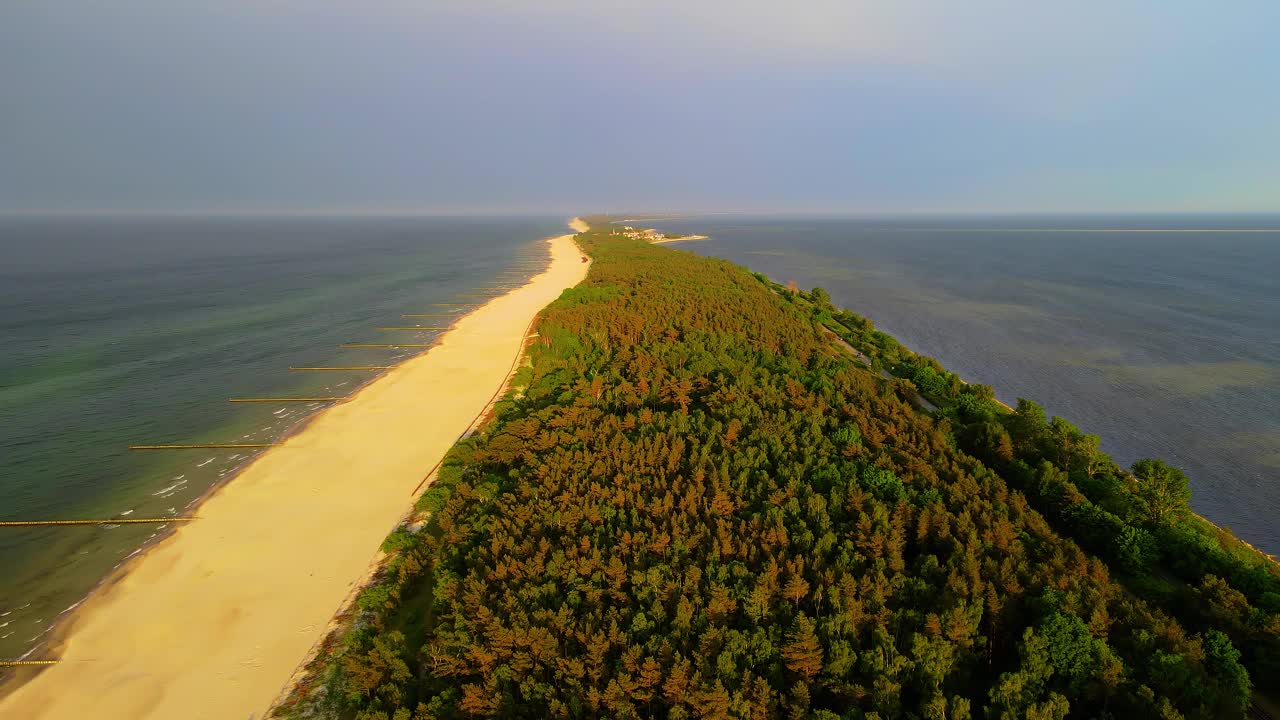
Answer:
x=582 y=105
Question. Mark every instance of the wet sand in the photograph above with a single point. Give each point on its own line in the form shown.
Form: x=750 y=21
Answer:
x=212 y=621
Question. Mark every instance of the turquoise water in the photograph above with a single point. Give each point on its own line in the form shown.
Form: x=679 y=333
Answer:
x=1166 y=344
x=120 y=331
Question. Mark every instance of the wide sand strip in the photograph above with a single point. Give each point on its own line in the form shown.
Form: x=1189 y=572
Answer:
x=211 y=622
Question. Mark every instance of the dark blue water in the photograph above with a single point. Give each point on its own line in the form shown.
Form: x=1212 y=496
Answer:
x=1167 y=344
x=127 y=331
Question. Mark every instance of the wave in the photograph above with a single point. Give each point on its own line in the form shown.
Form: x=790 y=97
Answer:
x=170 y=490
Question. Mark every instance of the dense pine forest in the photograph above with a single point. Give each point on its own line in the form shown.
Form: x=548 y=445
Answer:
x=711 y=496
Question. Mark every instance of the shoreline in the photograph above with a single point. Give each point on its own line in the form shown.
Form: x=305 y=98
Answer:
x=58 y=631
x=679 y=239
x=252 y=624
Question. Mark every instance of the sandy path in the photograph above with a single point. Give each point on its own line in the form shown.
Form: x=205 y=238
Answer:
x=212 y=621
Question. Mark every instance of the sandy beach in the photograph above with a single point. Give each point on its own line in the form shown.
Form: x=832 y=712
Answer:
x=212 y=621
x=686 y=238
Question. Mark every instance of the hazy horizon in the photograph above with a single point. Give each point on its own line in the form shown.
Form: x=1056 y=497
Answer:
x=565 y=106
x=618 y=216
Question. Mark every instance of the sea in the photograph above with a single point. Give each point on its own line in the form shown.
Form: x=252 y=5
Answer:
x=1159 y=333
x=119 y=331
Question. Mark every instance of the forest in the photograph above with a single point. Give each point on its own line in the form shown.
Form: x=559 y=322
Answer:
x=711 y=496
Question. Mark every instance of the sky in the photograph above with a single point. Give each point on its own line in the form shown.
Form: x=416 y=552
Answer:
x=464 y=106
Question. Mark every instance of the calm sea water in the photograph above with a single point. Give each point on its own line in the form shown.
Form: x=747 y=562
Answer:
x=129 y=331
x=1167 y=344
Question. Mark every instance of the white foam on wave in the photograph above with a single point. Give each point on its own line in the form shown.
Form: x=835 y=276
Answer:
x=37 y=637
x=233 y=457
x=206 y=462
x=279 y=411
x=71 y=607
x=108 y=526
x=165 y=492
x=9 y=635
x=127 y=512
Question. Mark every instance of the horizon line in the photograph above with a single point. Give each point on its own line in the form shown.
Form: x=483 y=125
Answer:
x=651 y=215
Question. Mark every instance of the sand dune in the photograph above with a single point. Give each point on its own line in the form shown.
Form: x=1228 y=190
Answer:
x=212 y=622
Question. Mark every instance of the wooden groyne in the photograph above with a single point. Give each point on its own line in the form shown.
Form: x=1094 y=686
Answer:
x=112 y=521
x=351 y=367
x=285 y=399
x=205 y=446
x=386 y=345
